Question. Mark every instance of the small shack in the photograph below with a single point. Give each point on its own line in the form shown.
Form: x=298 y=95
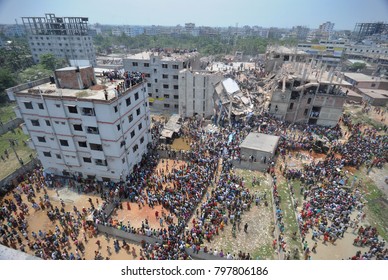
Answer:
x=259 y=146
x=171 y=129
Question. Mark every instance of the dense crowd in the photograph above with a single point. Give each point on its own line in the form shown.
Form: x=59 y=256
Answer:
x=203 y=198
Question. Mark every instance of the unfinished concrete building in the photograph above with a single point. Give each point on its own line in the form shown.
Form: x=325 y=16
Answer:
x=275 y=56
x=307 y=93
x=64 y=37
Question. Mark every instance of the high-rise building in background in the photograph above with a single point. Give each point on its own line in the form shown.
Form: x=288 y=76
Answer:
x=299 y=32
x=326 y=30
x=64 y=37
x=368 y=29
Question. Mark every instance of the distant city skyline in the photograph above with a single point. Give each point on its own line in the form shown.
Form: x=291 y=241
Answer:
x=221 y=13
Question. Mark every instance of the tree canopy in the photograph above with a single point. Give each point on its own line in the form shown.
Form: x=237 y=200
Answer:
x=207 y=45
x=7 y=80
x=50 y=62
x=357 y=66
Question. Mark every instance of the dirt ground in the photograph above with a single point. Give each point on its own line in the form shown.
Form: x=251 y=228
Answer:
x=181 y=144
x=38 y=220
x=378 y=176
x=342 y=249
x=257 y=241
x=136 y=215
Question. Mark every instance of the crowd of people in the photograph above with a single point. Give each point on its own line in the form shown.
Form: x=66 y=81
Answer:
x=203 y=196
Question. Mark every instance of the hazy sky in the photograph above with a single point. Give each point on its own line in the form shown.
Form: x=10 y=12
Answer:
x=266 y=13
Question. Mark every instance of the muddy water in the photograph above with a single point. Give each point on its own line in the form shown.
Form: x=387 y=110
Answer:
x=181 y=144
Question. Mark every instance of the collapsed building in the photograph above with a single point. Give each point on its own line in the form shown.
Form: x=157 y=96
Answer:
x=276 y=55
x=307 y=93
x=230 y=103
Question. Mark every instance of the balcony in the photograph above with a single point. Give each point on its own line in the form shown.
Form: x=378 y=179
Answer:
x=314 y=114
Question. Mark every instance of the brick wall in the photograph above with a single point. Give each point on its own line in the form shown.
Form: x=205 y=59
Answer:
x=75 y=78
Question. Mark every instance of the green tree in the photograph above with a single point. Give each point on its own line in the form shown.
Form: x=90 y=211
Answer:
x=50 y=62
x=33 y=73
x=15 y=56
x=7 y=80
x=357 y=66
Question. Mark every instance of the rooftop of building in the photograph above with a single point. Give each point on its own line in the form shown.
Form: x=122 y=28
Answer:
x=7 y=253
x=352 y=61
x=350 y=92
x=164 y=55
x=201 y=72
x=312 y=74
x=285 y=50
x=219 y=66
x=360 y=77
x=260 y=142
x=375 y=93
x=46 y=87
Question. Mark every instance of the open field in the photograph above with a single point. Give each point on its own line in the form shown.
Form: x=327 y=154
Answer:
x=10 y=164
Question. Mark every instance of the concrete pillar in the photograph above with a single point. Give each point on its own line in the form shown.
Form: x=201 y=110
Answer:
x=323 y=70
x=304 y=75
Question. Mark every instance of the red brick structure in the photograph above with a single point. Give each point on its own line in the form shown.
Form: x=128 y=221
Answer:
x=75 y=77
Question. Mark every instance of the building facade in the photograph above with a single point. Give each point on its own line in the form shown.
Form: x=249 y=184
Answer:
x=369 y=29
x=299 y=32
x=312 y=96
x=65 y=37
x=196 y=90
x=161 y=70
x=327 y=51
x=360 y=80
x=101 y=131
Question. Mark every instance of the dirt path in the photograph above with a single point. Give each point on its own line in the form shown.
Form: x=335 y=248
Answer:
x=257 y=241
x=378 y=176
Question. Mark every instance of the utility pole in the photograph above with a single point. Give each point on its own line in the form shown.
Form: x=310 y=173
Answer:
x=13 y=144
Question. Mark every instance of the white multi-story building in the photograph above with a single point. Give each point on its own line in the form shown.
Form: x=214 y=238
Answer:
x=130 y=31
x=80 y=127
x=327 y=51
x=327 y=27
x=161 y=70
x=196 y=89
x=64 y=37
